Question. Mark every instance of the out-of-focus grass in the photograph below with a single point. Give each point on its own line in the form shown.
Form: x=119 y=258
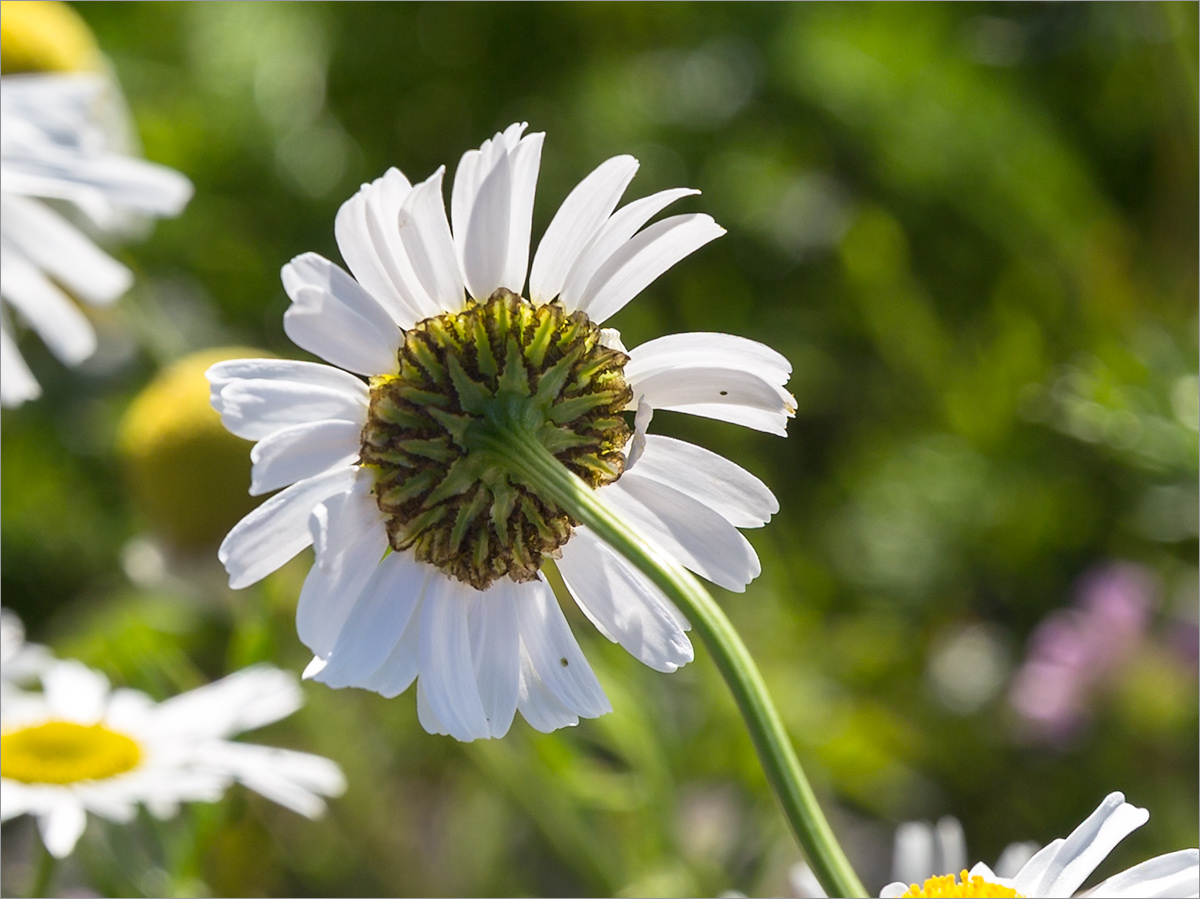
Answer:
x=973 y=230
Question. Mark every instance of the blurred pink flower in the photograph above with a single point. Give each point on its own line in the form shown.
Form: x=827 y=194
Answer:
x=1076 y=650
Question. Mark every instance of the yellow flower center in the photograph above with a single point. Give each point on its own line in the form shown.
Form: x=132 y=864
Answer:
x=62 y=752
x=42 y=36
x=949 y=885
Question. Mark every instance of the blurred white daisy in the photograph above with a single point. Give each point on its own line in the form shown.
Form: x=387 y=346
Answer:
x=1061 y=868
x=80 y=747
x=428 y=555
x=63 y=157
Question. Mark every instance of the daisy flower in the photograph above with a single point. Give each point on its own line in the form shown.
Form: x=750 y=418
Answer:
x=62 y=157
x=428 y=551
x=81 y=747
x=1059 y=869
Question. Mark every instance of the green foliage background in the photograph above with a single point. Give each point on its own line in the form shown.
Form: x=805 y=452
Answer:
x=972 y=229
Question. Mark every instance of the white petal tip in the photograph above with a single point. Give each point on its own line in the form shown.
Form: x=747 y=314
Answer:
x=313 y=668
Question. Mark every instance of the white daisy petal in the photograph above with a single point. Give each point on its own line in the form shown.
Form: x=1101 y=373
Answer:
x=135 y=184
x=556 y=656
x=383 y=200
x=74 y=692
x=486 y=238
x=295 y=780
x=512 y=134
x=401 y=667
x=699 y=349
x=256 y=409
x=496 y=649
x=613 y=235
x=106 y=804
x=642 y=259
x=63 y=328
x=334 y=318
x=223 y=373
x=117 y=804
x=447 y=671
x=1173 y=874
x=473 y=169
x=698 y=537
x=623 y=604
x=1059 y=869
x=725 y=487
x=425 y=715
x=425 y=234
x=278 y=529
x=537 y=703
x=64 y=252
x=356 y=229
x=62 y=824
x=467 y=178
x=725 y=394
x=767 y=421
x=245 y=700
x=524 y=162
x=380 y=617
x=302 y=451
x=17 y=383
x=350 y=541
x=580 y=216
x=1041 y=860
x=16 y=799
x=715 y=376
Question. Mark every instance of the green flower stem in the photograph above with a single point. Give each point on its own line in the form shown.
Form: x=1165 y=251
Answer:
x=517 y=449
x=44 y=876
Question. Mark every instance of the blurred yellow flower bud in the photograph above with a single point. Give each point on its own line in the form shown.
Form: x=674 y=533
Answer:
x=187 y=474
x=44 y=36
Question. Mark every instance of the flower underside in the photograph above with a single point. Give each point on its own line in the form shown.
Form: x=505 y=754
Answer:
x=495 y=367
x=63 y=752
x=947 y=886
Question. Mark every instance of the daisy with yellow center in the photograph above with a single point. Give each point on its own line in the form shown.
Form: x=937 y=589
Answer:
x=81 y=747
x=1061 y=868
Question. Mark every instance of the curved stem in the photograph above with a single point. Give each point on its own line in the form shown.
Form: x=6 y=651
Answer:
x=522 y=454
